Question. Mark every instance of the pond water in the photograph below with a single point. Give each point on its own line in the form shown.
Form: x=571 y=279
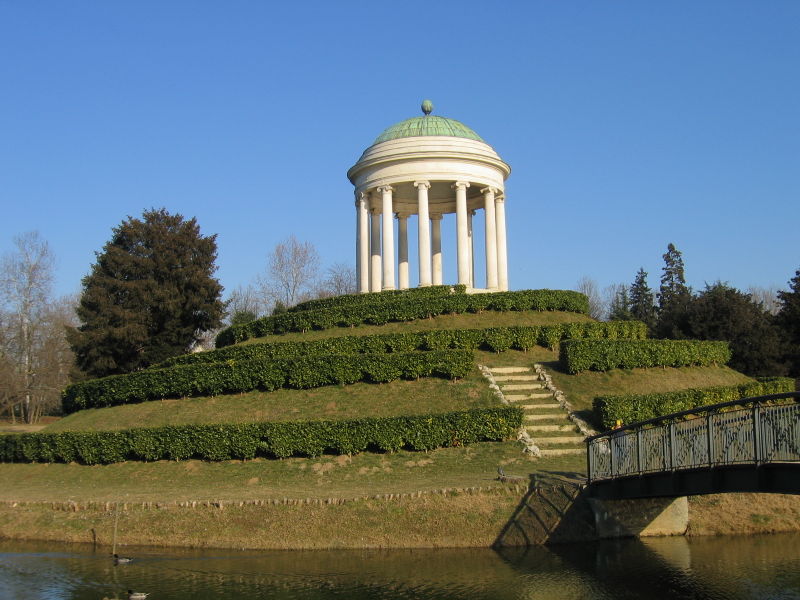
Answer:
x=726 y=568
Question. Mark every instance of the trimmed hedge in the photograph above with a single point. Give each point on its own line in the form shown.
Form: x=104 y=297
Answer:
x=279 y=440
x=497 y=339
x=232 y=376
x=404 y=308
x=630 y=408
x=603 y=355
x=376 y=298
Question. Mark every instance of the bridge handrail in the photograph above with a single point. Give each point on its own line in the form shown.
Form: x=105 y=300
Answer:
x=701 y=410
x=759 y=431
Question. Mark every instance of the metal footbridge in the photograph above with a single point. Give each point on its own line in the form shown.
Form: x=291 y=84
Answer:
x=748 y=445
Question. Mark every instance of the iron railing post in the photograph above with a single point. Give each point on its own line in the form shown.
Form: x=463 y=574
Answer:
x=757 y=451
x=672 y=445
x=710 y=440
x=639 y=451
x=611 y=454
x=589 y=461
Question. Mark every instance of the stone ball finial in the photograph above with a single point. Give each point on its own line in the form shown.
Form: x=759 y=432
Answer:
x=427 y=107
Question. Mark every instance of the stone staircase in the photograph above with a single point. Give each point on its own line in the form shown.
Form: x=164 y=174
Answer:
x=546 y=421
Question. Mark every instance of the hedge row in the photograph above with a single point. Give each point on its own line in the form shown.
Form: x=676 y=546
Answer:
x=497 y=339
x=404 y=308
x=248 y=440
x=603 y=355
x=377 y=298
x=630 y=408
x=210 y=379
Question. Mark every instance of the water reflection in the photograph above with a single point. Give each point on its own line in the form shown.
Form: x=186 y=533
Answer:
x=738 y=567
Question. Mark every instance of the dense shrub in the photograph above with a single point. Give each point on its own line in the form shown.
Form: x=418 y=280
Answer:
x=603 y=355
x=377 y=298
x=210 y=379
x=279 y=440
x=630 y=408
x=404 y=307
x=496 y=339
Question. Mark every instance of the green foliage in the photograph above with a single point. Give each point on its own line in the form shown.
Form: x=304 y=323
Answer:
x=788 y=319
x=403 y=306
x=278 y=440
x=721 y=312
x=620 y=306
x=497 y=339
x=630 y=408
x=148 y=295
x=231 y=376
x=604 y=355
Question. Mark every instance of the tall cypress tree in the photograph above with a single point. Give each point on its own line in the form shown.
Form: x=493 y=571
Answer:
x=674 y=296
x=788 y=319
x=642 y=305
x=148 y=296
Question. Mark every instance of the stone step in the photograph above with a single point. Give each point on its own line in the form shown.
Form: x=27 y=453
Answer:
x=561 y=451
x=503 y=378
x=543 y=428
x=559 y=440
x=510 y=370
x=518 y=397
x=547 y=406
x=522 y=386
x=544 y=416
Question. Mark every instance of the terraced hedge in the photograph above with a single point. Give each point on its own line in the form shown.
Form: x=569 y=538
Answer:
x=497 y=339
x=404 y=308
x=630 y=408
x=603 y=355
x=377 y=298
x=278 y=440
x=231 y=376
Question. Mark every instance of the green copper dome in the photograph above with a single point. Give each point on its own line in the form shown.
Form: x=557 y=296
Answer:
x=427 y=125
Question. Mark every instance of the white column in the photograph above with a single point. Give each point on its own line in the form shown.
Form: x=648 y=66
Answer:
x=461 y=231
x=491 y=238
x=424 y=233
x=471 y=248
x=375 y=249
x=436 y=259
x=402 y=250
x=502 y=253
x=362 y=242
x=388 y=237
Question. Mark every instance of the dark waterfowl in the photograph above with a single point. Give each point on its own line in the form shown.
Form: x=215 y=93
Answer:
x=121 y=560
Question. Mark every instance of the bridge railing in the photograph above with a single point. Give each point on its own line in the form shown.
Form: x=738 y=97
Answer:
x=750 y=430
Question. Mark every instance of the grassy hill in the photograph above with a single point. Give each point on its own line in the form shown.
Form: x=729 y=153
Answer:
x=332 y=476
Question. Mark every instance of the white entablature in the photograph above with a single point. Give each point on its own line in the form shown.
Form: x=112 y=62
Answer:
x=428 y=166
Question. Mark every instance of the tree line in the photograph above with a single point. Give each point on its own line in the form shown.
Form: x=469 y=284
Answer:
x=150 y=294
x=763 y=328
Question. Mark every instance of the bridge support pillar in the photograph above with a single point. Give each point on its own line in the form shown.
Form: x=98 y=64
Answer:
x=642 y=517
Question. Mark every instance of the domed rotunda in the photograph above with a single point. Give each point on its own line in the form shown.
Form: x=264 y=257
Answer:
x=428 y=166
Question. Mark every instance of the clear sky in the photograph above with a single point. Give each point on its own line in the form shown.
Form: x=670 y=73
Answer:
x=628 y=125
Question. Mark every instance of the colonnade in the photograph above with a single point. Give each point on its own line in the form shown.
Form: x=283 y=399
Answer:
x=375 y=244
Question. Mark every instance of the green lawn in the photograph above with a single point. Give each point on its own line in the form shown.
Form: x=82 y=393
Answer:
x=323 y=477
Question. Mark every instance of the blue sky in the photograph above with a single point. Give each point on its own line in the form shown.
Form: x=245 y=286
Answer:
x=628 y=125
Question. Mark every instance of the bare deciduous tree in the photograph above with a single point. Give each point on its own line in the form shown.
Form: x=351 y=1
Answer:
x=768 y=297
x=243 y=301
x=340 y=279
x=34 y=357
x=292 y=270
x=588 y=286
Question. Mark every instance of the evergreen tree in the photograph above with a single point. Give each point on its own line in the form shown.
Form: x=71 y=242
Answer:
x=674 y=296
x=148 y=296
x=642 y=305
x=721 y=312
x=673 y=282
x=619 y=307
x=788 y=319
